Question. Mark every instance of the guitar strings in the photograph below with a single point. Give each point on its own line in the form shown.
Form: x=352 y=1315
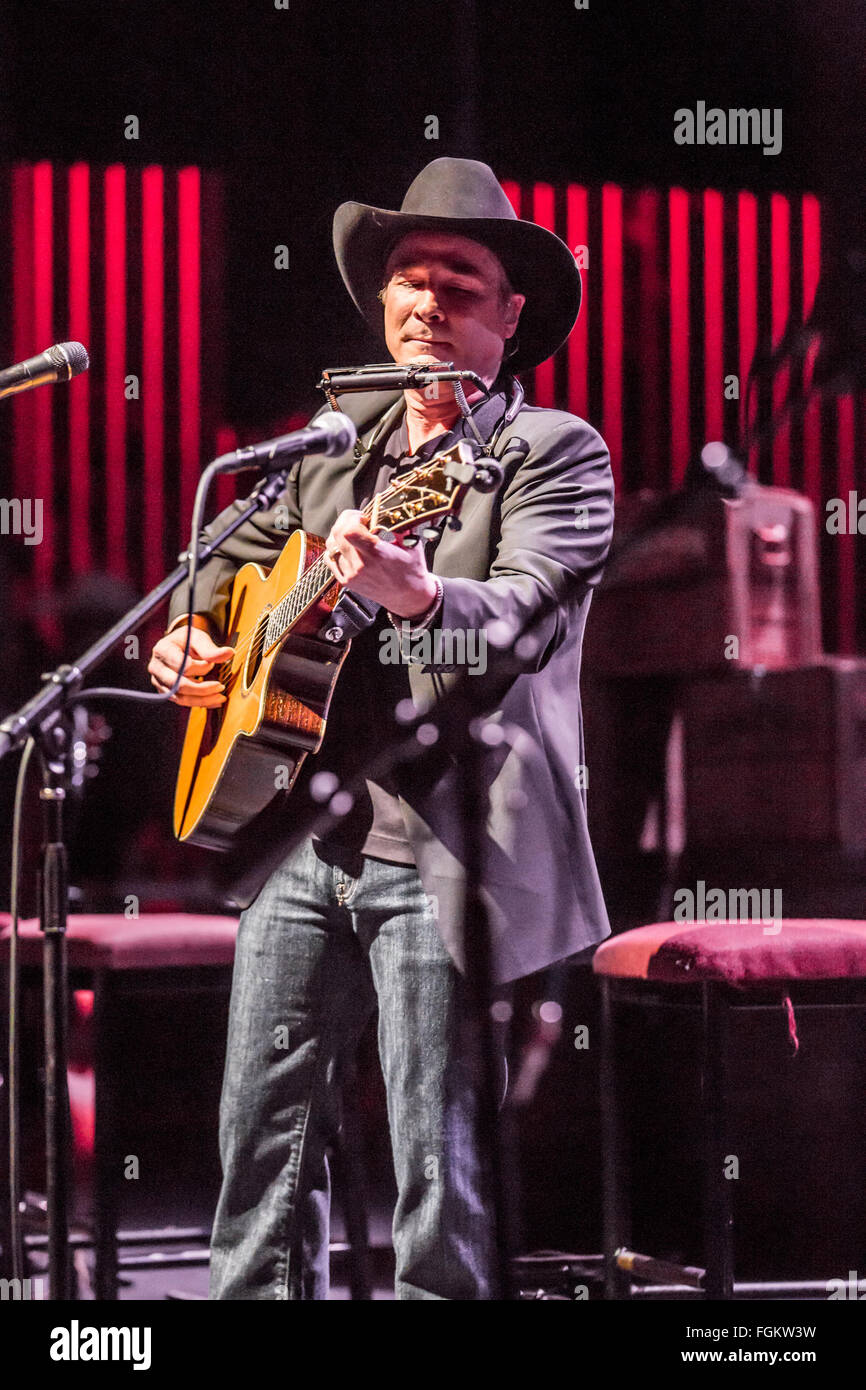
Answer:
x=255 y=641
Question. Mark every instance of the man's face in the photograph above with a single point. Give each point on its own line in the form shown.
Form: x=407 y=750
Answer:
x=444 y=303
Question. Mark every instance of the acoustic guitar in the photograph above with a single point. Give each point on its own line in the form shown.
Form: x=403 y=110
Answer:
x=280 y=680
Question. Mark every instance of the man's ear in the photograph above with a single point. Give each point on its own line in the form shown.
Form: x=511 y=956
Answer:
x=513 y=313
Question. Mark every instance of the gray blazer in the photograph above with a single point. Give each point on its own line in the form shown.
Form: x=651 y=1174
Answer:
x=551 y=519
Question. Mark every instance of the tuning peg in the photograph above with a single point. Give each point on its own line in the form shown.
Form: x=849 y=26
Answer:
x=455 y=523
x=430 y=533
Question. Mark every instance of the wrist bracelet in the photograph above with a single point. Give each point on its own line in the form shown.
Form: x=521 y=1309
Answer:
x=424 y=619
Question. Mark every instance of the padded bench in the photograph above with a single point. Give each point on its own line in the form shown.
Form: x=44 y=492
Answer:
x=714 y=968
x=112 y=955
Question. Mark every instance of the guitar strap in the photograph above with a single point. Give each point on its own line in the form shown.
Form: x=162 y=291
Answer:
x=351 y=614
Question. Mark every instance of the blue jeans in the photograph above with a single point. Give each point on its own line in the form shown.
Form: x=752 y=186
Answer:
x=329 y=935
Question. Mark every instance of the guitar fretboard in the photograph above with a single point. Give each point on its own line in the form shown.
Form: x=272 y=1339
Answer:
x=308 y=588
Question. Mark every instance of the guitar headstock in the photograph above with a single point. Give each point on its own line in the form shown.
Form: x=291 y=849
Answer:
x=434 y=489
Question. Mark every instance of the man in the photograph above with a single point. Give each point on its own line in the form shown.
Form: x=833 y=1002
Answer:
x=370 y=913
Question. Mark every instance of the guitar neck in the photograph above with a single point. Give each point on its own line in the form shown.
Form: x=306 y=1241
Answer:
x=305 y=591
x=431 y=490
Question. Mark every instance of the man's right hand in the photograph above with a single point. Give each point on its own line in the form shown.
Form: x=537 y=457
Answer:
x=165 y=662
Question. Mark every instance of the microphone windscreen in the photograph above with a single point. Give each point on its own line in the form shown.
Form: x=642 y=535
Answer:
x=341 y=433
x=76 y=357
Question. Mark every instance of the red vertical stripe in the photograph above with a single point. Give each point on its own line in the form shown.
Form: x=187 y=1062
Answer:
x=115 y=369
x=189 y=345
x=714 y=316
x=225 y=490
x=577 y=233
x=780 y=256
x=152 y=350
x=543 y=212
x=42 y=482
x=79 y=391
x=644 y=232
x=23 y=341
x=747 y=309
x=846 y=593
x=811 y=215
x=811 y=251
x=512 y=193
x=611 y=310
x=678 y=204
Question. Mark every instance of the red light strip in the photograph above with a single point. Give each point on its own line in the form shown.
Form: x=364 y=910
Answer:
x=747 y=308
x=780 y=256
x=846 y=590
x=714 y=315
x=189 y=330
x=678 y=212
x=152 y=349
x=643 y=232
x=512 y=193
x=611 y=312
x=42 y=477
x=811 y=222
x=115 y=369
x=225 y=489
x=577 y=234
x=79 y=394
x=543 y=213
x=23 y=344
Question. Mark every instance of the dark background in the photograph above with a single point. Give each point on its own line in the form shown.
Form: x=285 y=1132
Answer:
x=304 y=108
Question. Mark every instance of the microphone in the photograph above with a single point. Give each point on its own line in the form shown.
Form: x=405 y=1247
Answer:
x=394 y=376
x=331 y=435
x=58 y=363
x=720 y=465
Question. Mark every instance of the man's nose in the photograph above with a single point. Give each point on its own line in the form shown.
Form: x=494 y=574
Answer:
x=427 y=305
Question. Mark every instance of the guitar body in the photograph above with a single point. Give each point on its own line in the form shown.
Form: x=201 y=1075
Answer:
x=237 y=757
x=281 y=677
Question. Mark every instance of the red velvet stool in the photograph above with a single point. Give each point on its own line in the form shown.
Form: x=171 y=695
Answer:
x=175 y=953
x=713 y=968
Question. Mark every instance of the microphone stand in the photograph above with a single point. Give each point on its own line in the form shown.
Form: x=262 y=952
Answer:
x=45 y=719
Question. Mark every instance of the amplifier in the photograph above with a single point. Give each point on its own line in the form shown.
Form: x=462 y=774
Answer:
x=778 y=757
x=702 y=583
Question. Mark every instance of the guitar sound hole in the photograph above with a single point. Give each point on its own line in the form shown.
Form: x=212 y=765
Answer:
x=254 y=656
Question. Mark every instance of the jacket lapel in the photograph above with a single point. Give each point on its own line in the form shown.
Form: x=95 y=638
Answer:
x=358 y=482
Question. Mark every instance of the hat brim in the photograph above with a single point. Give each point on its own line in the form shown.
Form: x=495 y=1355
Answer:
x=538 y=265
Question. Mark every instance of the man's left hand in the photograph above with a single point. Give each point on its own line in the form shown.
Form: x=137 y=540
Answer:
x=385 y=571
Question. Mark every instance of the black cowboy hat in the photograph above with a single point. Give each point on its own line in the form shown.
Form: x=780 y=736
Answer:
x=463 y=196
